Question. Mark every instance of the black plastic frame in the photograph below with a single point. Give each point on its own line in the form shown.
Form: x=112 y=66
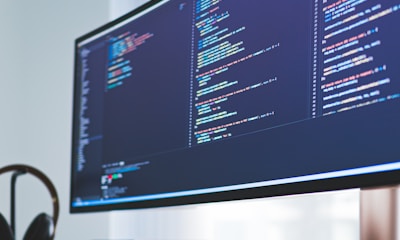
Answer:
x=324 y=185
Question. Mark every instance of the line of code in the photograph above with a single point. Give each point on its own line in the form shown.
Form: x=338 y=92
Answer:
x=234 y=69
x=354 y=74
x=120 y=68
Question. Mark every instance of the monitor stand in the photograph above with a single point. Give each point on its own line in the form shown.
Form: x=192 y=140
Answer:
x=379 y=213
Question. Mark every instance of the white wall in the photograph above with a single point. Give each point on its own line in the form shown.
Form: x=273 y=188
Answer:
x=120 y=7
x=36 y=74
x=328 y=216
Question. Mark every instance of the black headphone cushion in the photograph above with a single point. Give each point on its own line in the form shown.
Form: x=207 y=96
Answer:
x=5 y=230
x=41 y=228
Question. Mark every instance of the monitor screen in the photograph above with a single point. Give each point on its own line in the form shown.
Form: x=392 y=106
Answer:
x=191 y=101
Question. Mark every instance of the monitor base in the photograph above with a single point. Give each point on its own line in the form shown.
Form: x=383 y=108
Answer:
x=379 y=213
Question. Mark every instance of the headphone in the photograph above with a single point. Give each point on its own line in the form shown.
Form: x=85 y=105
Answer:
x=43 y=226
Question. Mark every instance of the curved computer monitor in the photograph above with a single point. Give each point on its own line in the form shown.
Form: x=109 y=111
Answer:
x=182 y=102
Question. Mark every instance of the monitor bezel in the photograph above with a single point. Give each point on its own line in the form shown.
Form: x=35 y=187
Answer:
x=369 y=180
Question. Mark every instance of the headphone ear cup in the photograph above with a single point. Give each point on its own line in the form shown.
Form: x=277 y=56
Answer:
x=41 y=228
x=5 y=230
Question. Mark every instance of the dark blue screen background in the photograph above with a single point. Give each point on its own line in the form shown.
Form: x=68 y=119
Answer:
x=153 y=117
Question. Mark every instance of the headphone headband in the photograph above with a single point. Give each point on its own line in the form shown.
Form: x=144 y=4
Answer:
x=46 y=181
